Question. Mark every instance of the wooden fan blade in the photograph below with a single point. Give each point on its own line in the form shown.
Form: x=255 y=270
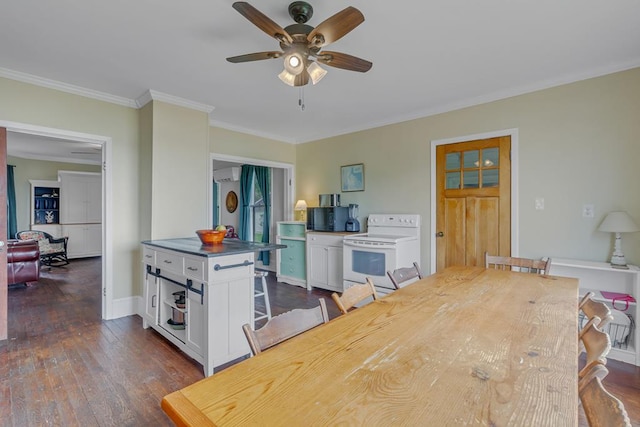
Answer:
x=344 y=61
x=335 y=27
x=262 y=21
x=258 y=56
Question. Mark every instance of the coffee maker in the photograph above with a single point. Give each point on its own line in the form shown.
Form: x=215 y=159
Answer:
x=352 y=223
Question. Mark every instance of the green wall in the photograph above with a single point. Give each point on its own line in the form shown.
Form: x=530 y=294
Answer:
x=231 y=143
x=578 y=144
x=38 y=106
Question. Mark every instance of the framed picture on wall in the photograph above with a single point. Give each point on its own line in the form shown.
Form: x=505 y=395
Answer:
x=352 y=177
x=231 y=201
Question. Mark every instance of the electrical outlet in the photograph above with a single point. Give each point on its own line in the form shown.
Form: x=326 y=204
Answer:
x=587 y=211
x=539 y=203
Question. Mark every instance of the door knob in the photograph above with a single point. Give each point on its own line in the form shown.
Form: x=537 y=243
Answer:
x=439 y=234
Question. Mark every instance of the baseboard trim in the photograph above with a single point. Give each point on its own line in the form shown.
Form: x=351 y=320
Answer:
x=123 y=307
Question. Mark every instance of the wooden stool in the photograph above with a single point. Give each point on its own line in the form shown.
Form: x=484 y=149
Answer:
x=264 y=294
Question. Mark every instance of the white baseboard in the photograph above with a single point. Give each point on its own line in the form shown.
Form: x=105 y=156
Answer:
x=123 y=307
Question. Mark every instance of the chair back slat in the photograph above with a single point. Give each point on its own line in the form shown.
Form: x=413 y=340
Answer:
x=592 y=308
x=601 y=407
x=405 y=274
x=285 y=326
x=597 y=345
x=524 y=265
x=353 y=295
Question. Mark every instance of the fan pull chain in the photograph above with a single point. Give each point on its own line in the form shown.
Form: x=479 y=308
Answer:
x=301 y=98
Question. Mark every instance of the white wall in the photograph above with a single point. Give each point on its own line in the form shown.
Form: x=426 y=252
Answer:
x=226 y=217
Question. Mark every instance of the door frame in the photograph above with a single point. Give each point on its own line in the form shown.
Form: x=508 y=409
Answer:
x=289 y=180
x=513 y=133
x=107 y=199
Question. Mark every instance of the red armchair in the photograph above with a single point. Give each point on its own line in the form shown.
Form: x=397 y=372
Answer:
x=23 y=261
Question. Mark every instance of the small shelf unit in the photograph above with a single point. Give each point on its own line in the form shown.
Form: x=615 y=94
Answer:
x=596 y=277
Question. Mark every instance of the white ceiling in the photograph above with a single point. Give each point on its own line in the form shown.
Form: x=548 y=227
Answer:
x=428 y=56
x=38 y=147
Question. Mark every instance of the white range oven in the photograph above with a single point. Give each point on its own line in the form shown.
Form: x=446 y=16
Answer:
x=392 y=241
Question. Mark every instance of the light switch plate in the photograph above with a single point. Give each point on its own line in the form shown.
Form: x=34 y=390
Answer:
x=539 y=203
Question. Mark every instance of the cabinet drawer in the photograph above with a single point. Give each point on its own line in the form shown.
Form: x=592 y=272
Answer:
x=148 y=256
x=231 y=267
x=291 y=269
x=294 y=251
x=195 y=268
x=170 y=262
x=292 y=230
x=325 y=239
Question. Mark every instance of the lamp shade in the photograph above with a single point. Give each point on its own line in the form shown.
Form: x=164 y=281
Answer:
x=618 y=222
x=316 y=72
x=301 y=205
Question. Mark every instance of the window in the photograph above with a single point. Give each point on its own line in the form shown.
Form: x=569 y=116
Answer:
x=472 y=169
x=257 y=211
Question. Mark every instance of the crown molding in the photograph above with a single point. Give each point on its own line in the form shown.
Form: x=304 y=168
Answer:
x=483 y=99
x=228 y=126
x=154 y=95
x=65 y=87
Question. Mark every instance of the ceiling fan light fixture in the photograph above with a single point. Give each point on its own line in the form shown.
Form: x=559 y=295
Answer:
x=294 y=63
x=316 y=72
x=287 y=77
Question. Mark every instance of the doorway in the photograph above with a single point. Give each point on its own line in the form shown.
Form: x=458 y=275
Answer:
x=473 y=198
x=282 y=194
x=53 y=136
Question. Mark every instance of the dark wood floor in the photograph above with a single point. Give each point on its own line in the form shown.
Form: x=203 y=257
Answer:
x=62 y=365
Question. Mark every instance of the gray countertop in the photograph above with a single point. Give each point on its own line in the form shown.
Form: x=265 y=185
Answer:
x=193 y=246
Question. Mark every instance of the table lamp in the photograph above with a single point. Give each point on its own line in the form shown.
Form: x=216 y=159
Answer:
x=618 y=222
x=301 y=206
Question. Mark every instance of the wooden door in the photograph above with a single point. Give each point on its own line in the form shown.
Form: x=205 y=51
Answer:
x=473 y=196
x=3 y=234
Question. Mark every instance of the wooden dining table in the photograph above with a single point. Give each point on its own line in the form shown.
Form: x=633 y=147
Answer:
x=465 y=346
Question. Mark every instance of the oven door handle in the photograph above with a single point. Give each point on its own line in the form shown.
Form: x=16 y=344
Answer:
x=357 y=244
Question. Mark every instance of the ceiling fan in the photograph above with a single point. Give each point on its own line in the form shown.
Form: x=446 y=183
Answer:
x=301 y=44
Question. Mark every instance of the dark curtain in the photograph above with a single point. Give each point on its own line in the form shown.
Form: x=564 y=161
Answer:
x=12 y=219
x=263 y=177
x=246 y=180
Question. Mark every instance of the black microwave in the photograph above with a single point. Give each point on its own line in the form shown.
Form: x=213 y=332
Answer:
x=332 y=218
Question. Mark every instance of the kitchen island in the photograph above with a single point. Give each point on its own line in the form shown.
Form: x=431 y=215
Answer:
x=199 y=296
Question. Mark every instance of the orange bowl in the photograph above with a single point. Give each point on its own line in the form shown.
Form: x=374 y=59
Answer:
x=210 y=237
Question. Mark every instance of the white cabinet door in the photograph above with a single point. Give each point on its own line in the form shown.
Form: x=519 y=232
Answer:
x=84 y=240
x=334 y=268
x=72 y=199
x=94 y=198
x=93 y=240
x=317 y=259
x=324 y=261
x=76 y=243
x=81 y=197
x=195 y=326
x=150 y=300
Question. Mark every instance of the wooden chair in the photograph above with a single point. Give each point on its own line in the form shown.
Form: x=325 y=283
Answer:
x=592 y=308
x=596 y=343
x=402 y=275
x=354 y=295
x=285 y=326
x=601 y=407
x=525 y=265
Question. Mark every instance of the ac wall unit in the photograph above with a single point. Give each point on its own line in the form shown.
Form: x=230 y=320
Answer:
x=226 y=174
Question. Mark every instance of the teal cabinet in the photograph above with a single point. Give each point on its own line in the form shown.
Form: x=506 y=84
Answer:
x=291 y=266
